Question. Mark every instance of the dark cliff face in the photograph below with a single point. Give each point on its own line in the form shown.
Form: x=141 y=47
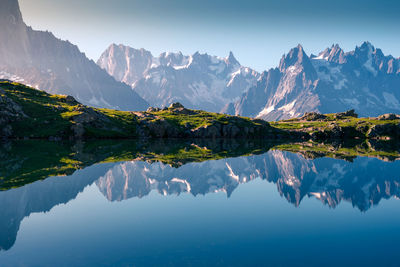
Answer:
x=10 y=13
x=46 y=62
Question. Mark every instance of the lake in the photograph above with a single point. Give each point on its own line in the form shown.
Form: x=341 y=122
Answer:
x=219 y=204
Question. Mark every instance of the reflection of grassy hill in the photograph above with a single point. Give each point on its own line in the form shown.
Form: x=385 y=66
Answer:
x=384 y=150
x=23 y=162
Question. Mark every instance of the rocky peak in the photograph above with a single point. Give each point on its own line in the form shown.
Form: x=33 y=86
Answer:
x=171 y=59
x=367 y=46
x=298 y=61
x=296 y=56
x=231 y=60
x=364 y=51
x=10 y=13
x=119 y=58
x=332 y=54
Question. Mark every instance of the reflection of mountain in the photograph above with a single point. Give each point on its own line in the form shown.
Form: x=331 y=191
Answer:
x=364 y=182
x=138 y=179
x=41 y=196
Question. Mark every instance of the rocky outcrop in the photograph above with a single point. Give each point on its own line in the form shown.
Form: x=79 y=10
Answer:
x=387 y=117
x=151 y=124
x=341 y=115
x=9 y=112
x=313 y=116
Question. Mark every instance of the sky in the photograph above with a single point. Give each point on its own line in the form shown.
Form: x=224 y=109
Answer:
x=258 y=32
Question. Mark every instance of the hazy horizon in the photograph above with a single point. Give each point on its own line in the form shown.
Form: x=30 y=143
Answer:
x=258 y=33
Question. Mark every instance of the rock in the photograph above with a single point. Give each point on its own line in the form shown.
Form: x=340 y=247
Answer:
x=184 y=111
x=160 y=129
x=89 y=116
x=313 y=116
x=389 y=116
x=151 y=109
x=71 y=100
x=231 y=131
x=349 y=113
x=208 y=131
x=7 y=131
x=176 y=105
x=9 y=112
x=84 y=118
x=78 y=130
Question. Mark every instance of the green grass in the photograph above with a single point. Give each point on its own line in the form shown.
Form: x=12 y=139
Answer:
x=361 y=125
x=200 y=118
x=52 y=116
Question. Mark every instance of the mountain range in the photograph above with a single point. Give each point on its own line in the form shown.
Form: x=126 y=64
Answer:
x=364 y=79
x=43 y=61
x=198 y=81
x=125 y=78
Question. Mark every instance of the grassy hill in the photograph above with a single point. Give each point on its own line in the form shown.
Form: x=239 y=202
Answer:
x=27 y=113
x=30 y=113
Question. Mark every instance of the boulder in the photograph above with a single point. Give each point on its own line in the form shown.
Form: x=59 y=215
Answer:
x=71 y=100
x=313 y=116
x=176 y=105
x=151 y=109
x=349 y=113
x=389 y=116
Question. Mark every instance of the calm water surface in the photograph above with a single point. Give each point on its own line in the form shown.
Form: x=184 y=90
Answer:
x=274 y=209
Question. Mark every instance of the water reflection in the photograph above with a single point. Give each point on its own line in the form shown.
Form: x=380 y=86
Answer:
x=124 y=170
x=363 y=182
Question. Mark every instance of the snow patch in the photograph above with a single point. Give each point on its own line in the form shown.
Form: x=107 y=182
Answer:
x=288 y=108
x=266 y=111
x=322 y=57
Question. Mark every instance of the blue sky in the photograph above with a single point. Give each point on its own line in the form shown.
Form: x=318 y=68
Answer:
x=258 y=32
